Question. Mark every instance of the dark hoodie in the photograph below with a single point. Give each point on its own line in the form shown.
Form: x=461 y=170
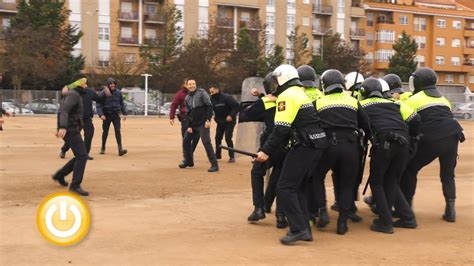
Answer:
x=224 y=105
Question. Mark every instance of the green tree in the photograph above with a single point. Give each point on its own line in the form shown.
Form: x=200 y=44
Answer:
x=48 y=51
x=300 y=47
x=403 y=61
x=161 y=54
x=274 y=59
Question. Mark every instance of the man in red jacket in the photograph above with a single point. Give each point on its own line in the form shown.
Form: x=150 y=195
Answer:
x=179 y=103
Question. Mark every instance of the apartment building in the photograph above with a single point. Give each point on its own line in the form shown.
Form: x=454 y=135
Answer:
x=443 y=30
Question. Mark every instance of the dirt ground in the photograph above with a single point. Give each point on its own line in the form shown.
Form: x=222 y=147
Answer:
x=147 y=211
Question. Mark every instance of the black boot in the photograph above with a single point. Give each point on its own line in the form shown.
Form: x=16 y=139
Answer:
x=121 y=151
x=185 y=164
x=342 y=226
x=214 y=167
x=304 y=235
x=354 y=217
x=377 y=226
x=256 y=215
x=90 y=157
x=335 y=207
x=79 y=191
x=62 y=155
x=281 y=221
x=60 y=179
x=323 y=219
x=102 y=150
x=449 y=212
x=402 y=223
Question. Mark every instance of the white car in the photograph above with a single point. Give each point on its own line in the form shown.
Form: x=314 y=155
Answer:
x=11 y=108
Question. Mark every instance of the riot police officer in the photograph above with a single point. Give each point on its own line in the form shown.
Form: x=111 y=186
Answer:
x=341 y=118
x=353 y=82
x=309 y=80
x=396 y=90
x=392 y=124
x=295 y=118
x=440 y=137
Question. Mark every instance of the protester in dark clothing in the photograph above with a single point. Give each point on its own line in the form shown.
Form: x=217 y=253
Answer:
x=3 y=112
x=225 y=111
x=199 y=115
x=69 y=123
x=110 y=112
x=87 y=98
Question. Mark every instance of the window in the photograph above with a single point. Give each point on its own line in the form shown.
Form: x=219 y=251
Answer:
x=370 y=38
x=316 y=46
x=291 y=4
x=421 y=41
x=126 y=32
x=150 y=34
x=370 y=19
x=385 y=36
x=440 y=42
x=245 y=16
x=461 y=79
x=455 y=61
x=471 y=79
x=104 y=33
x=420 y=24
x=403 y=20
x=341 y=6
x=269 y=43
x=270 y=2
x=383 y=55
x=449 y=78
x=440 y=60
x=270 y=21
x=104 y=57
x=305 y=21
x=420 y=59
x=6 y=23
x=456 y=24
x=290 y=23
x=150 y=9
x=369 y=57
x=305 y=1
x=441 y=23
x=456 y=43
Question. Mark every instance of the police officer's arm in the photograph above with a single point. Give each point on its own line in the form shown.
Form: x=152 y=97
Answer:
x=253 y=113
x=286 y=111
x=412 y=118
x=364 y=121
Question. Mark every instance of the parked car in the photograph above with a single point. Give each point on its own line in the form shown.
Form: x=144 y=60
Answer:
x=464 y=111
x=132 y=108
x=13 y=109
x=43 y=108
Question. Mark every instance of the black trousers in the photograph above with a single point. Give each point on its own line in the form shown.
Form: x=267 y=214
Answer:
x=113 y=118
x=192 y=138
x=76 y=165
x=88 y=135
x=290 y=189
x=224 y=129
x=258 y=172
x=388 y=160
x=446 y=150
x=343 y=159
x=184 y=128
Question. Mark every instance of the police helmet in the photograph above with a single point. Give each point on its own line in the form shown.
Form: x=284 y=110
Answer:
x=424 y=78
x=285 y=73
x=385 y=88
x=353 y=81
x=307 y=76
x=332 y=80
x=394 y=82
x=371 y=87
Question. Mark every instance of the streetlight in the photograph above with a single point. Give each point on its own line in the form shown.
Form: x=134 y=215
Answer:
x=322 y=43
x=146 y=92
x=92 y=34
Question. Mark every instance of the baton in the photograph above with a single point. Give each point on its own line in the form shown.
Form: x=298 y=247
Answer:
x=251 y=154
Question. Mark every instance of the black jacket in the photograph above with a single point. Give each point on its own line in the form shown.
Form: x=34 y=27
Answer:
x=112 y=104
x=87 y=99
x=70 y=115
x=199 y=107
x=224 y=105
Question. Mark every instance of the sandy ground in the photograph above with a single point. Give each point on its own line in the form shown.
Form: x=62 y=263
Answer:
x=147 y=211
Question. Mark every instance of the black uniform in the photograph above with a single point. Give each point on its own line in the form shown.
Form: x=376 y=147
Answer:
x=296 y=119
x=392 y=124
x=70 y=118
x=87 y=98
x=111 y=108
x=224 y=105
x=341 y=118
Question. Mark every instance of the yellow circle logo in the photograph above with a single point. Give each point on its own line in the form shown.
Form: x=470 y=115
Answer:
x=63 y=219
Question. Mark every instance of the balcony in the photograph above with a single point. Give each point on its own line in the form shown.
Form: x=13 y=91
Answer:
x=384 y=20
x=357 y=33
x=128 y=40
x=468 y=49
x=320 y=30
x=249 y=24
x=128 y=16
x=151 y=40
x=468 y=66
x=357 y=10
x=322 y=9
x=469 y=31
x=8 y=7
x=223 y=22
x=154 y=18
